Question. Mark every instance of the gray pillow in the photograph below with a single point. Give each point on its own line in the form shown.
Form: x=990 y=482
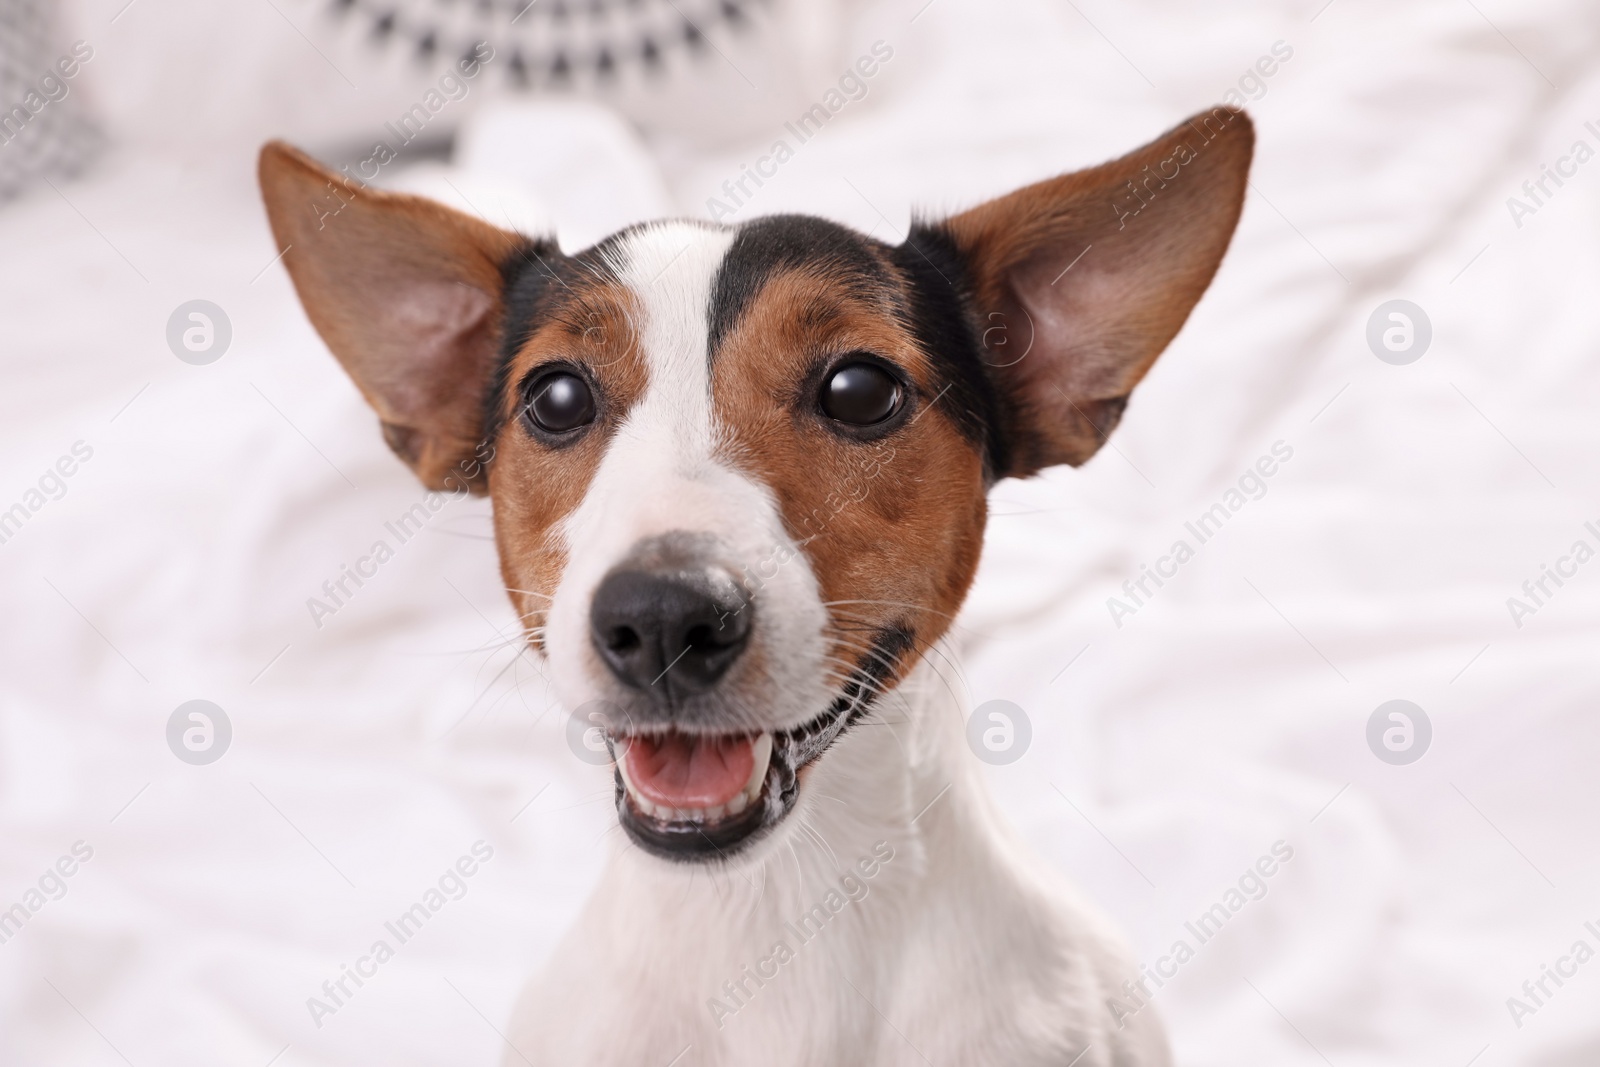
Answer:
x=45 y=131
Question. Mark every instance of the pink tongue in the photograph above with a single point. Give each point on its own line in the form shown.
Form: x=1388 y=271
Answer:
x=678 y=771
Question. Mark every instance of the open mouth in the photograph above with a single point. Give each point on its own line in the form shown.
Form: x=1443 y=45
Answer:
x=702 y=796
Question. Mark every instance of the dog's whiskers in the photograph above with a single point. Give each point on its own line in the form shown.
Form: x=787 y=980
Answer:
x=919 y=608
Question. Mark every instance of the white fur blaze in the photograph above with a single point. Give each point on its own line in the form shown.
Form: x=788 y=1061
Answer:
x=662 y=473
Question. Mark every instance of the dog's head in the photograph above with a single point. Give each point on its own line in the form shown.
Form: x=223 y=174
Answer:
x=739 y=473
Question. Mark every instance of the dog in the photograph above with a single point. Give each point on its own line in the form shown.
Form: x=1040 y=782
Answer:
x=739 y=477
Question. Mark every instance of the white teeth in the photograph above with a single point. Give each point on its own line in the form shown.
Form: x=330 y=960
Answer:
x=761 y=752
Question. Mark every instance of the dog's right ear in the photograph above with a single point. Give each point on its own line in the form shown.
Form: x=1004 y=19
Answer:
x=408 y=295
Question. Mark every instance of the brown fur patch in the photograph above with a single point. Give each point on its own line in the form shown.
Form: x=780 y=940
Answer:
x=893 y=527
x=534 y=486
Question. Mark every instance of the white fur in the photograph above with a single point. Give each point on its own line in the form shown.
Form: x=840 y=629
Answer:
x=960 y=952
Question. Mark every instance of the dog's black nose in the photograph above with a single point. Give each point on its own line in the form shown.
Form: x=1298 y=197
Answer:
x=680 y=628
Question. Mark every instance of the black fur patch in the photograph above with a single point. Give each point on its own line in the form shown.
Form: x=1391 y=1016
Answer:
x=883 y=659
x=536 y=283
x=937 y=315
x=766 y=246
x=874 y=669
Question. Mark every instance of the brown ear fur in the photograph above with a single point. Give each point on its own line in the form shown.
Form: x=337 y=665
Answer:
x=1091 y=275
x=407 y=294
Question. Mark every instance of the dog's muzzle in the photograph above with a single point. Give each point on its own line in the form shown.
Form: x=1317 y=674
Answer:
x=699 y=775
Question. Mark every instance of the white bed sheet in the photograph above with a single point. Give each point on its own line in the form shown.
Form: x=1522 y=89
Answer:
x=1168 y=754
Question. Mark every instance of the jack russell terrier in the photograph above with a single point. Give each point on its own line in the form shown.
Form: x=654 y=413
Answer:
x=739 y=478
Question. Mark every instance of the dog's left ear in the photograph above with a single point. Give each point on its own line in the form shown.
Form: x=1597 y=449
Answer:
x=1082 y=280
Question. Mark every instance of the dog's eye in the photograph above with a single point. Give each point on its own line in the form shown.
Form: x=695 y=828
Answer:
x=560 y=402
x=860 y=394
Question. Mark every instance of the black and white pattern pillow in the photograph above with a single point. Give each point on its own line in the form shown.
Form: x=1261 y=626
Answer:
x=692 y=72
x=556 y=44
x=45 y=131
